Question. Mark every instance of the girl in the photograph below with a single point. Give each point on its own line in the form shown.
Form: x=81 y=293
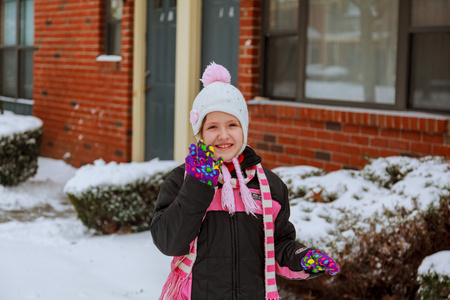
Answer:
x=222 y=215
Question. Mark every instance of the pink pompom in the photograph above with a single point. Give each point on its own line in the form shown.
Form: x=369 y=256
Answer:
x=215 y=72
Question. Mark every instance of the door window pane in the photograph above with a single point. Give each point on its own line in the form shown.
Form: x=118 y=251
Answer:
x=158 y=4
x=283 y=14
x=116 y=10
x=8 y=72
x=26 y=74
x=351 y=51
x=430 y=13
x=430 y=71
x=9 y=17
x=27 y=23
x=282 y=67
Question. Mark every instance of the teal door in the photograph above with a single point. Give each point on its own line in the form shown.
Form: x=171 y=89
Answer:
x=220 y=35
x=160 y=80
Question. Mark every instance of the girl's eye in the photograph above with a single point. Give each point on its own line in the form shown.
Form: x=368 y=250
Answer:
x=211 y=127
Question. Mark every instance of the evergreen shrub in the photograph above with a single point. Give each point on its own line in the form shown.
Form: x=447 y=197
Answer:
x=19 y=156
x=434 y=286
x=110 y=209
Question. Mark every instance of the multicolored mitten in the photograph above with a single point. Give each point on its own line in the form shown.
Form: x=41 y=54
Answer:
x=200 y=163
x=316 y=261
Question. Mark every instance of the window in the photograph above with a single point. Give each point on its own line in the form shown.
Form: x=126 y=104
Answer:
x=430 y=55
x=113 y=26
x=159 y=4
x=366 y=53
x=16 y=54
x=356 y=44
x=282 y=49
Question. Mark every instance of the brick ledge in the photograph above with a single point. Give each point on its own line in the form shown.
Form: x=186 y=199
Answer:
x=404 y=120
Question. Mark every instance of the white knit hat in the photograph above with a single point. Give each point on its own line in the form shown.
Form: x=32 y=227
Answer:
x=219 y=95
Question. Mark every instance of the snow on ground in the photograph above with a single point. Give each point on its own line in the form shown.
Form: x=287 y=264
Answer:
x=52 y=256
x=44 y=189
x=55 y=257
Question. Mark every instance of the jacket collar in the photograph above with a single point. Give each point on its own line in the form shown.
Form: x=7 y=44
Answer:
x=250 y=158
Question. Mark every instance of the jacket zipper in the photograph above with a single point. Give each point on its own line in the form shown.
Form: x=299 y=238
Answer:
x=235 y=272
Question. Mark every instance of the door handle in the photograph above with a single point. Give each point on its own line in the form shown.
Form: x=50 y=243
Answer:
x=147 y=73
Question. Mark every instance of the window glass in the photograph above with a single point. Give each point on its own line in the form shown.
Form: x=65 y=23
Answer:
x=9 y=17
x=114 y=38
x=27 y=23
x=430 y=71
x=26 y=74
x=114 y=27
x=283 y=14
x=116 y=10
x=8 y=73
x=351 y=50
x=16 y=59
x=430 y=13
x=282 y=67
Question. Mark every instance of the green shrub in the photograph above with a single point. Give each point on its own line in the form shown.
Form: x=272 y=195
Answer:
x=110 y=209
x=434 y=286
x=18 y=156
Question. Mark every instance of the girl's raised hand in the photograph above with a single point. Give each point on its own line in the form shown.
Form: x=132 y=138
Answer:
x=200 y=163
x=316 y=261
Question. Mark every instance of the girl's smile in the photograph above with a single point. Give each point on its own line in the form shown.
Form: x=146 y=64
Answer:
x=224 y=132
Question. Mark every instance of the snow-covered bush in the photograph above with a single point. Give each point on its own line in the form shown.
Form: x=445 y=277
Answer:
x=292 y=175
x=434 y=286
x=388 y=171
x=20 y=140
x=383 y=221
x=434 y=276
x=117 y=197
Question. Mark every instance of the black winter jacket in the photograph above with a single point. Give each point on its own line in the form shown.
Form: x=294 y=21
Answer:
x=230 y=248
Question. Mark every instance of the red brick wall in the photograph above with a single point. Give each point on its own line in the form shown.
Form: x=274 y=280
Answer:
x=249 y=47
x=85 y=105
x=333 y=139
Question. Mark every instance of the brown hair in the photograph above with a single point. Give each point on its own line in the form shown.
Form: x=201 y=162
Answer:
x=198 y=136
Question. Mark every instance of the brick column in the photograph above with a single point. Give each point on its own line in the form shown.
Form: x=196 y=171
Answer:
x=249 y=47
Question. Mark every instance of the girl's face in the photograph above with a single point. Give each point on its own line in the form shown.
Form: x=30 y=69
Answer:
x=224 y=132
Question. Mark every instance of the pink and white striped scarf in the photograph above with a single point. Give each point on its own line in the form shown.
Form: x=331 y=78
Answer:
x=178 y=283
